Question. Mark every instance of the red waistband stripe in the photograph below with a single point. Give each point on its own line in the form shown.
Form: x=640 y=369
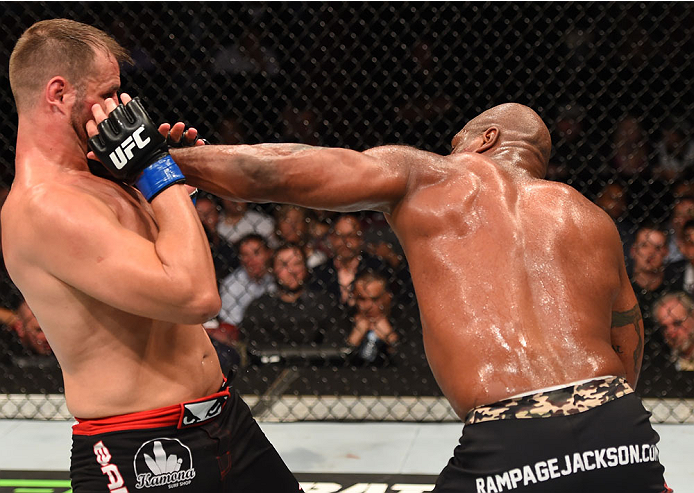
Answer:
x=183 y=415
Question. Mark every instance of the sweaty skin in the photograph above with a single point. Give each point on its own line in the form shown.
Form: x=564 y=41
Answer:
x=119 y=286
x=520 y=282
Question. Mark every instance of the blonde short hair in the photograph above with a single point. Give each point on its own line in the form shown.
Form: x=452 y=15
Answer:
x=56 y=47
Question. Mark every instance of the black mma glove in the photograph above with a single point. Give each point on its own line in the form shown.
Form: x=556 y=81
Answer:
x=183 y=142
x=131 y=148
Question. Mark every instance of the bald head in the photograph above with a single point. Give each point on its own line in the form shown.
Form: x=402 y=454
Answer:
x=517 y=128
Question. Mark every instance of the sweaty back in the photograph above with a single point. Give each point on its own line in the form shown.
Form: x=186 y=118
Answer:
x=514 y=275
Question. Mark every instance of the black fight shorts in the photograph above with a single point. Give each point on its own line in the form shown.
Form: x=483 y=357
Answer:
x=208 y=445
x=594 y=436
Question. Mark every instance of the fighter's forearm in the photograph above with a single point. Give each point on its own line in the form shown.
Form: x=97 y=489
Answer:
x=316 y=177
x=184 y=251
x=238 y=172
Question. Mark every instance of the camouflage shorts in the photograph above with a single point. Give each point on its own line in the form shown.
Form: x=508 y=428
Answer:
x=573 y=399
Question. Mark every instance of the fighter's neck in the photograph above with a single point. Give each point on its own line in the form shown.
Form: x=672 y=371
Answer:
x=41 y=146
x=518 y=161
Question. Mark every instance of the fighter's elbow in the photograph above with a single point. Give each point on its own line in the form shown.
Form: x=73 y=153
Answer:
x=205 y=306
x=195 y=305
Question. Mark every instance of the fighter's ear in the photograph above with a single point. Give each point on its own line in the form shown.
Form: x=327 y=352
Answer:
x=489 y=139
x=56 y=90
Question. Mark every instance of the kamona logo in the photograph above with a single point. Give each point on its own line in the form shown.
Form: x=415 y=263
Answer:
x=124 y=152
x=161 y=462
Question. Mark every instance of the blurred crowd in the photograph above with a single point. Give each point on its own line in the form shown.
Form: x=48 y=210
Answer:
x=299 y=281
x=310 y=285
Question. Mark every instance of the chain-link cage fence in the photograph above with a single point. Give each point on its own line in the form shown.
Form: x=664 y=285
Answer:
x=612 y=80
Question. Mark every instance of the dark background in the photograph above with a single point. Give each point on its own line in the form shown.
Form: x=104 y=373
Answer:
x=359 y=75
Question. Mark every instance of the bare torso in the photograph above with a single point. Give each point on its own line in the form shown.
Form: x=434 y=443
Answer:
x=113 y=362
x=520 y=282
x=515 y=278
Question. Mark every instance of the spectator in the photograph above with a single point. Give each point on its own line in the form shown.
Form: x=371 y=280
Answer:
x=650 y=280
x=683 y=271
x=132 y=36
x=4 y=192
x=30 y=333
x=293 y=227
x=248 y=55
x=292 y=315
x=675 y=314
x=224 y=336
x=231 y=130
x=567 y=160
x=225 y=339
x=372 y=334
x=292 y=224
x=36 y=351
x=417 y=110
x=10 y=342
x=238 y=220
x=381 y=241
x=684 y=186
x=318 y=230
x=10 y=297
x=223 y=254
x=301 y=123
x=630 y=147
x=338 y=273
x=675 y=153
x=613 y=200
x=682 y=211
x=248 y=282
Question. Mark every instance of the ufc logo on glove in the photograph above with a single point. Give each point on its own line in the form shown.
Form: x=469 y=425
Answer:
x=131 y=148
x=124 y=153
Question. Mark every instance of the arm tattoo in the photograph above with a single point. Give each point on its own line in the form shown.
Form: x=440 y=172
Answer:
x=631 y=317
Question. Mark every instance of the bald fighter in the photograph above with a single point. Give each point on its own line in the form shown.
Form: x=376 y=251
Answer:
x=119 y=275
x=530 y=323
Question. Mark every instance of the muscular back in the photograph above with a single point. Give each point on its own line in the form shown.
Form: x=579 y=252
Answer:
x=515 y=277
x=520 y=282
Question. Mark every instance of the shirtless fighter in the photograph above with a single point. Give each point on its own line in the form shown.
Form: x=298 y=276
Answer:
x=530 y=323
x=121 y=281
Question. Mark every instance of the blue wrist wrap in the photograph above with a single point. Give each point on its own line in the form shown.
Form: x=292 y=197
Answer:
x=159 y=176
